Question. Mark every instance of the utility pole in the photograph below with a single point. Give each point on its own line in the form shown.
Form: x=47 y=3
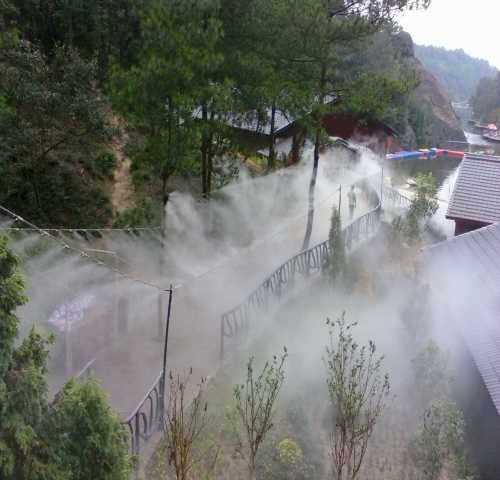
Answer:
x=165 y=350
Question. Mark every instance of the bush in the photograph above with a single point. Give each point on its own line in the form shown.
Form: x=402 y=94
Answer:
x=146 y=214
x=105 y=164
x=282 y=460
x=91 y=442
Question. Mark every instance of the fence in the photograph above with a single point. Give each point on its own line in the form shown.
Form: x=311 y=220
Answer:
x=235 y=323
x=147 y=417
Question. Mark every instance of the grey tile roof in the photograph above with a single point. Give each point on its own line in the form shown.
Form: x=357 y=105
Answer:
x=465 y=273
x=477 y=191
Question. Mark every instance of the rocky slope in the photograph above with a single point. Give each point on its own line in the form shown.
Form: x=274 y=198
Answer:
x=442 y=124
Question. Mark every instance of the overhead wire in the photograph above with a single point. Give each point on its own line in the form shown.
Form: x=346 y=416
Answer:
x=66 y=246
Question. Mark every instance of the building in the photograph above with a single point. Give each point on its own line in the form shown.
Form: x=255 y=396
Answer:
x=475 y=202
x=464 y=275
x=374 y=134
x=289 y=132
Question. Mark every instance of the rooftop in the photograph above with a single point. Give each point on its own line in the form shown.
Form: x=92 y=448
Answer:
x=477 y=191
x=465 y=271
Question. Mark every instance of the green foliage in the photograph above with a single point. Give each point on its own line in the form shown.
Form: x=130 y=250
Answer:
x=53 y=123
x=255 y=403
x=96 y=29
x=439 y=444
x=375 y=96
x=11 y=297
x=486 y=99
x=78 y=437
x=336 y=262
x=458 y=72
x=91 y=442
x=419 y=119
x=430 y=367
x=358 y=390
x=146 y=214
x=282 y=460
x=408 y=229
x=105 y=164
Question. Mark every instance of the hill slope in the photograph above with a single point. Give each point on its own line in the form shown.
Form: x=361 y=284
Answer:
x=457 y=72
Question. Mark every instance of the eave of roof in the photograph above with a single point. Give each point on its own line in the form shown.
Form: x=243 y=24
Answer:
x=476 y=196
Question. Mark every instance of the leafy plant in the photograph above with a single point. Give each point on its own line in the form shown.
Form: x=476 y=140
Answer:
x=91 y=441
x=255 y=403
x=185 y=422
x=336 y=262
x=439 y=443
x=357 y=390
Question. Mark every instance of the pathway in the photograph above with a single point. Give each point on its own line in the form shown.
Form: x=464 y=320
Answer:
x=129 y=368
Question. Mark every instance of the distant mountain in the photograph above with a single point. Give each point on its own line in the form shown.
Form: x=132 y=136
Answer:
x=457 y=72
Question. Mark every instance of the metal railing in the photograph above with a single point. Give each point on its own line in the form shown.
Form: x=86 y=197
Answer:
x=235 y=323
x=147 y=418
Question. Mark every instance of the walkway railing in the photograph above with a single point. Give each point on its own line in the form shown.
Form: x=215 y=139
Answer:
x=147 y=417
x=235 y=323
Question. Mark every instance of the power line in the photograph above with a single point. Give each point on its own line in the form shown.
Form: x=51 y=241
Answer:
x=79 y=230
x=46 y=233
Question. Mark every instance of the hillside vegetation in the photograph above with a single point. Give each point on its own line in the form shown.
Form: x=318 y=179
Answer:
x=457 y=72
x=70 y=68
x=486 y=100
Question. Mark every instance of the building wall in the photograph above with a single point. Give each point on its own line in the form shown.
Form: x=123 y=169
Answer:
x=464 y=226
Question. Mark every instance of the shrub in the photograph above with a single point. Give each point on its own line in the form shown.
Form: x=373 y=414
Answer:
x=105 y=164
x=91 y=441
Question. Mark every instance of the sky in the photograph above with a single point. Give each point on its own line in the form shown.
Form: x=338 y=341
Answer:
x=473 y=25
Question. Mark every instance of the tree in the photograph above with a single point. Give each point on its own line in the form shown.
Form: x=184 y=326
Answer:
x=337 y=258
x=185 y=422
x=175 y=96
x=423 y=205
x=335 y=24
x=439 y=443
x=432 y=377
x=52 y=131
x=357 y=390
x=486 y=99
x=77 y=437
x=255 y=404
x=90 y=440
x=96 y=29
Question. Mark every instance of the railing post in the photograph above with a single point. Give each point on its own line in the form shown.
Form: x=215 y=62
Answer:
x=137 y=434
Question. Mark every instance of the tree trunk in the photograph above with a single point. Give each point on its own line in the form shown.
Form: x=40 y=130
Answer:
x=271 y=162
x=251 y=469
x=297 y=144
x=317 y=147
x=204 y=152
x=210 y=164
x=312 y=187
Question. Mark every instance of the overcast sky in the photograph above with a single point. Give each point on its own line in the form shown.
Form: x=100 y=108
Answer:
x=473 y=25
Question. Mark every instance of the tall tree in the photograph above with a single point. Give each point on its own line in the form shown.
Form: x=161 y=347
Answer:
x=172 y=95
x=52 y=128
x=96 y=29
x=358 y=390
x=77 y=437
x=325 y=27
x=255 y=404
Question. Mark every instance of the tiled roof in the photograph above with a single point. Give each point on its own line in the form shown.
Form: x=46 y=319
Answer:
x=465 y=271
x=477 y=191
